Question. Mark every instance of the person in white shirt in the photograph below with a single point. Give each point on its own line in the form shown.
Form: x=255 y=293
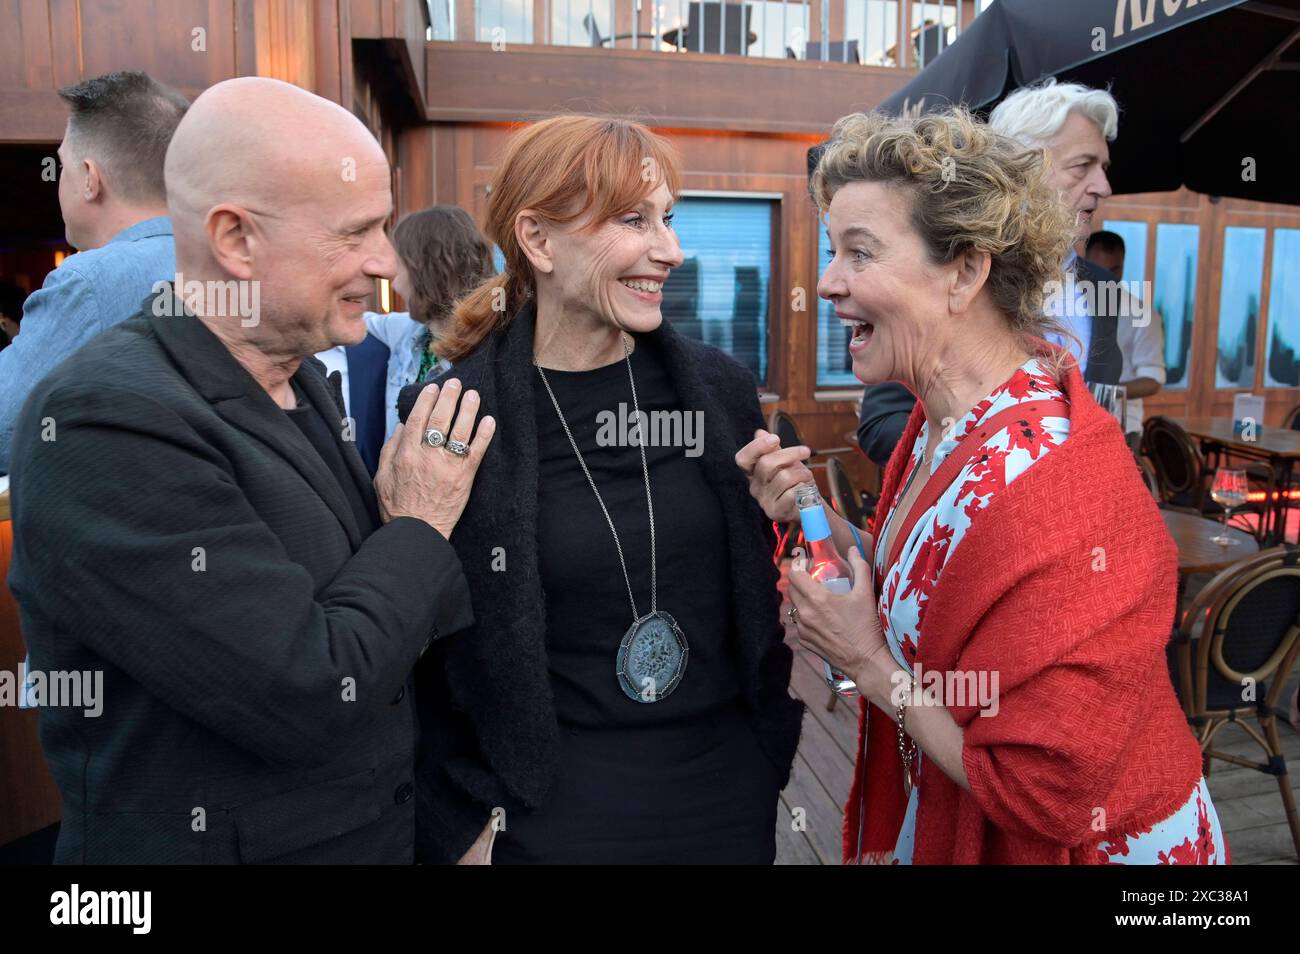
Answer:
x=441 y=255
x=1141 y=339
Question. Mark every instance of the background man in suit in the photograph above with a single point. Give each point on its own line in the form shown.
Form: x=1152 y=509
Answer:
x=1141 y=342
x=1073 y=124
x=114 y=213
x=360 y=373
x=190 y=523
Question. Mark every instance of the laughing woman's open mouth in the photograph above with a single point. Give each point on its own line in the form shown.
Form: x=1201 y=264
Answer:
x=862 y=332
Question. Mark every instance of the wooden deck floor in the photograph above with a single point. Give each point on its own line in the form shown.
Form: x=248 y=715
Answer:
x=1248 y=802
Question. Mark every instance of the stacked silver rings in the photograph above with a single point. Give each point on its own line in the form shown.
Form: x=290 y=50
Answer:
x=436 y=438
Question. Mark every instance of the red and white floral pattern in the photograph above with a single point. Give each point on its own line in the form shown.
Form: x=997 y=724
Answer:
x=1192 y=834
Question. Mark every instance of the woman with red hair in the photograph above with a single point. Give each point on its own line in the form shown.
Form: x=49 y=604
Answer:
x=623 y=695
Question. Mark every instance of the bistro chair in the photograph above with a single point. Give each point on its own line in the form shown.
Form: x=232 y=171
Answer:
x=1178 y=463
x=840 y=52
x=850 y=503
x=593 y=32
x=1234 y=652
x=1184 y=479
x=1265 y=471
x=1149 y=476
x=783 y=426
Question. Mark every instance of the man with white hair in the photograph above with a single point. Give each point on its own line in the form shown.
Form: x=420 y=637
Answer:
x=1073 y=124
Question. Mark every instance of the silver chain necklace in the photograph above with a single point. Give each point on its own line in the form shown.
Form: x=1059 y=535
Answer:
x=652 y=656
x=654 y=580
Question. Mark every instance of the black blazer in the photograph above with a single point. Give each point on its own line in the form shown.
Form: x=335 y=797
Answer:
x=182 y=536
x=489 y=732
x=887 y=406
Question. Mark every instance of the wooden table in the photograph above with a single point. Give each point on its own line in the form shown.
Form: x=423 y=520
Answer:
x=1279 y=447
x=1197 y=553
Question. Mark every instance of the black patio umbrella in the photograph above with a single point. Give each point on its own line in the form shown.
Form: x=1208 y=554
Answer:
x=1209 y=90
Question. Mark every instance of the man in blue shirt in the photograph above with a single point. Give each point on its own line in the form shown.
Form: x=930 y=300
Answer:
x=114 y=209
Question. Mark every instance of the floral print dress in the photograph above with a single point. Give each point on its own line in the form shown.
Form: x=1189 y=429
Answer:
x=1191 y=835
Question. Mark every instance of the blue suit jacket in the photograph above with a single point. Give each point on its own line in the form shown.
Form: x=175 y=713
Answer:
x=367 y=397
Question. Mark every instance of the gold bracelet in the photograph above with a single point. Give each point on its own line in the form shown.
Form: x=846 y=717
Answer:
x=906 y=746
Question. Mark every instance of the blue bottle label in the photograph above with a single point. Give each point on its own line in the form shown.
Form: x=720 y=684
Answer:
x=815 y=525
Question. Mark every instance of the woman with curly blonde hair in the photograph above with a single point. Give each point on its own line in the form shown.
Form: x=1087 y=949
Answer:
x=1007 y=636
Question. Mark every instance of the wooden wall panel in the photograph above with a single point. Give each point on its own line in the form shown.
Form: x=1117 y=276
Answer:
x=47 y=44
x=286 y=41
x=29 y=799
x=470 y=82
x=25 y=54
x=156 y=35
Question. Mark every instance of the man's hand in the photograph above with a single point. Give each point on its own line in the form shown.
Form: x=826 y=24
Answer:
x=431 y=483
x=480 y=853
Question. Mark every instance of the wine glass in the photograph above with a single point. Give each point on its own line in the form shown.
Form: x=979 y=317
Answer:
x=1228 y=491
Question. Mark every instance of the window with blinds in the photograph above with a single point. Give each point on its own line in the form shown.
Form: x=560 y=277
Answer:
x=1241 y=282
x=1283 y=365
x=1175 y=296
x=834 y=363
x=720 y=292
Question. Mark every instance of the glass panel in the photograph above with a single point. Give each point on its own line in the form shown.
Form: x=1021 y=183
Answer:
x=504 y=21
x=834 y=363
x=1282 y=369
x=879 y=46
x=441 y=18
x=572 y=22
x=719 y=294
x=1243 y=276
x=1175 y=294
x=1134 y=235
x=934 y=26
x=781 y=28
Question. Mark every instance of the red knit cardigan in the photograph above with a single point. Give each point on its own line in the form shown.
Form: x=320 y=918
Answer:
x=1066 y=586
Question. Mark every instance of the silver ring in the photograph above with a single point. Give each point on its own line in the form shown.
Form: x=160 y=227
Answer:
x=792 y=614
x=459 y=448
x=434 y=437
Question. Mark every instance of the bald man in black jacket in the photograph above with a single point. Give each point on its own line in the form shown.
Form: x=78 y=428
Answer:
x=193 y=527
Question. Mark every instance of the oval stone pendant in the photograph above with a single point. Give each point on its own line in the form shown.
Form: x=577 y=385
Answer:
x=651 y=658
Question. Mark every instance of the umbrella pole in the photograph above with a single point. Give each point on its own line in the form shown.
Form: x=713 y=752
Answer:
x=1267 y=63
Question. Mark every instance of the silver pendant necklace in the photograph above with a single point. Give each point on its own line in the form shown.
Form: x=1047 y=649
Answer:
x=652 y=656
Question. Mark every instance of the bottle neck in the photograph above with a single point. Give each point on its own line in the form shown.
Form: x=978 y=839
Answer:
x=814 y=522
